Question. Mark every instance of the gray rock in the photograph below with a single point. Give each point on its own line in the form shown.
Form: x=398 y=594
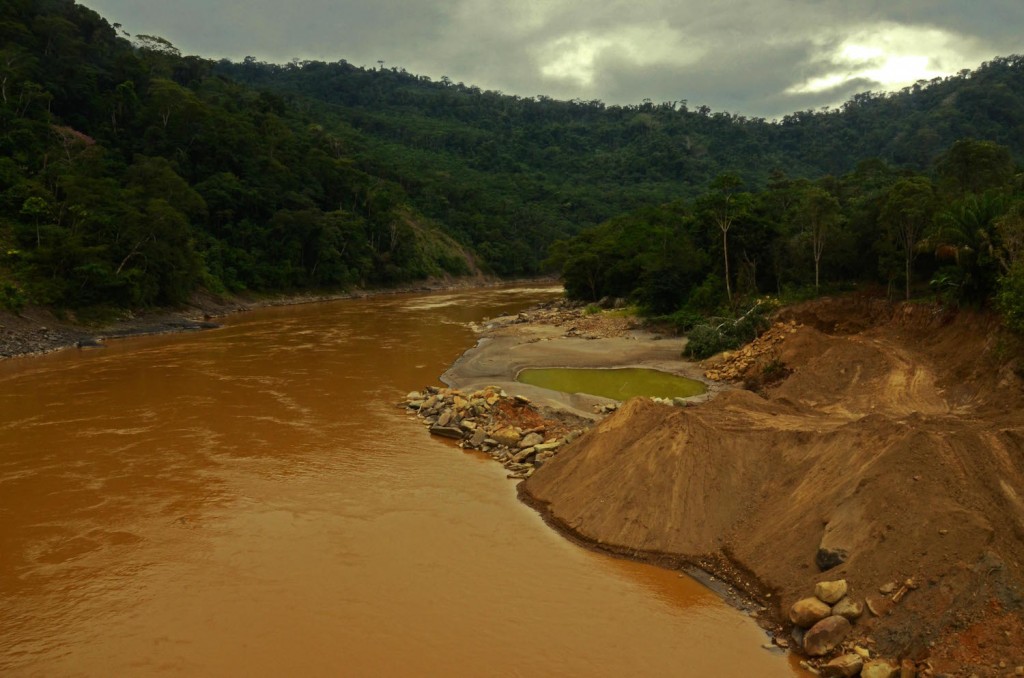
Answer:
x=808 y=612
x=843 y=666
x=445 y=418
x=826 y=635
x=524 y=456
x=446 y=431
x=478 y=438
x=830 y=592
x=827 y=558
x=530 y=440
x=849 y=608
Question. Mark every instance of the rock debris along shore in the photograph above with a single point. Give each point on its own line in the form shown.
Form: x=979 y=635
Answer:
x=509 y=428
x=884 y=455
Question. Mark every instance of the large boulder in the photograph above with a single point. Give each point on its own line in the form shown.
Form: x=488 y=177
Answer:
x=849 y=608
x=826 y=635
x=830 y=592
x=808 y=612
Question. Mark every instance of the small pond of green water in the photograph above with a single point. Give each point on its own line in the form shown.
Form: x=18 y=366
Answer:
x=619 y=384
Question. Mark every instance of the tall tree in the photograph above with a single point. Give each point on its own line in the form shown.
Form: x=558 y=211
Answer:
x=724 y=205
x=907 y=213
x=819 y=211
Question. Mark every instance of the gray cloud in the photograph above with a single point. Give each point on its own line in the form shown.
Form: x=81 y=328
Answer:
x=764 y=58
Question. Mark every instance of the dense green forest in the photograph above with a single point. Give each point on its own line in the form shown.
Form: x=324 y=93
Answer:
x=954 y=232
x=131 y=175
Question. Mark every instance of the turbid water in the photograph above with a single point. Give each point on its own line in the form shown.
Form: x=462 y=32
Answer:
x=619 y=384
x=248 y=501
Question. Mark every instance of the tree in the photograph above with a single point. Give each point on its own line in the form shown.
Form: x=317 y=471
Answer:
x=908 y=210
x=36 y=208
x=723 y=207
x=973 y=166
x=819 y=211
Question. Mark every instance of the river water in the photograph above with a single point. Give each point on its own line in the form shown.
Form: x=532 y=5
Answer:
x=248 y=501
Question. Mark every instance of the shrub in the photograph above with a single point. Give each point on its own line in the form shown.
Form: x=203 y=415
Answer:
x=721 y=334
x=1010 y=298
x=11 y=297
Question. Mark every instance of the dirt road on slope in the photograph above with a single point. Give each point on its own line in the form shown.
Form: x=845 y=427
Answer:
x=892 y=453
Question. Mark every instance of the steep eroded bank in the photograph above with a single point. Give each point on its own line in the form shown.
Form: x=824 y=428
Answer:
x=896 y=443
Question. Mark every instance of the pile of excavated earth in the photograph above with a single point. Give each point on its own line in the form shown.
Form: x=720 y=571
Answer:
x=887 y=453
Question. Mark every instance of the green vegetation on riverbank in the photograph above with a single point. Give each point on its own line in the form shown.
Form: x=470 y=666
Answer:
x=953 y=232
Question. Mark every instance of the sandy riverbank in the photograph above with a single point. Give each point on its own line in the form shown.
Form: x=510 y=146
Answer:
x=558 y=335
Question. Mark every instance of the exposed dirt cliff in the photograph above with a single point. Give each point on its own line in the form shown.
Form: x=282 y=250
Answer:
x=892 y=451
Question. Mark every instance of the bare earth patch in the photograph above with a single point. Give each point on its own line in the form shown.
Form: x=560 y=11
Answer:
x=890 y=451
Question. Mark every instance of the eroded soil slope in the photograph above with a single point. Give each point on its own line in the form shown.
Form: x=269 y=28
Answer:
x=897 y=440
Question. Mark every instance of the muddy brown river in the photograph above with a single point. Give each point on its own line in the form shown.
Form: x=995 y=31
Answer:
x=248 y=501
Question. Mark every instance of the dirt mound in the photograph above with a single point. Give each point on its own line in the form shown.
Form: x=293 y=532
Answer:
x=893 y=451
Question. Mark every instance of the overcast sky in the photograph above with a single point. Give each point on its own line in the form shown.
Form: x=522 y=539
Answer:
x=752 y=57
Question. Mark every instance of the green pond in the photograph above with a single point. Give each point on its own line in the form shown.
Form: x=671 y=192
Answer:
x=619 y=384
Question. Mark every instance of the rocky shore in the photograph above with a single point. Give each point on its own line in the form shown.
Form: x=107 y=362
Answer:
x=508 y=428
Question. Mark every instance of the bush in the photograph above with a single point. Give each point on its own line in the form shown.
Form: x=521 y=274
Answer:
x=681 y=321
x=11 y=297
x=722 y=334
x=1010 y=298
x=706 y=340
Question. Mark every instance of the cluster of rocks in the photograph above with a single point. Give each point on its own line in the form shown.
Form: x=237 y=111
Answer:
x=823 y=622
x=506 y=427
x=734 y=365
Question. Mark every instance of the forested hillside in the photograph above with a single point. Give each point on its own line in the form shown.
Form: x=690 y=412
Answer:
x=485 y=163
x=131 y=175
